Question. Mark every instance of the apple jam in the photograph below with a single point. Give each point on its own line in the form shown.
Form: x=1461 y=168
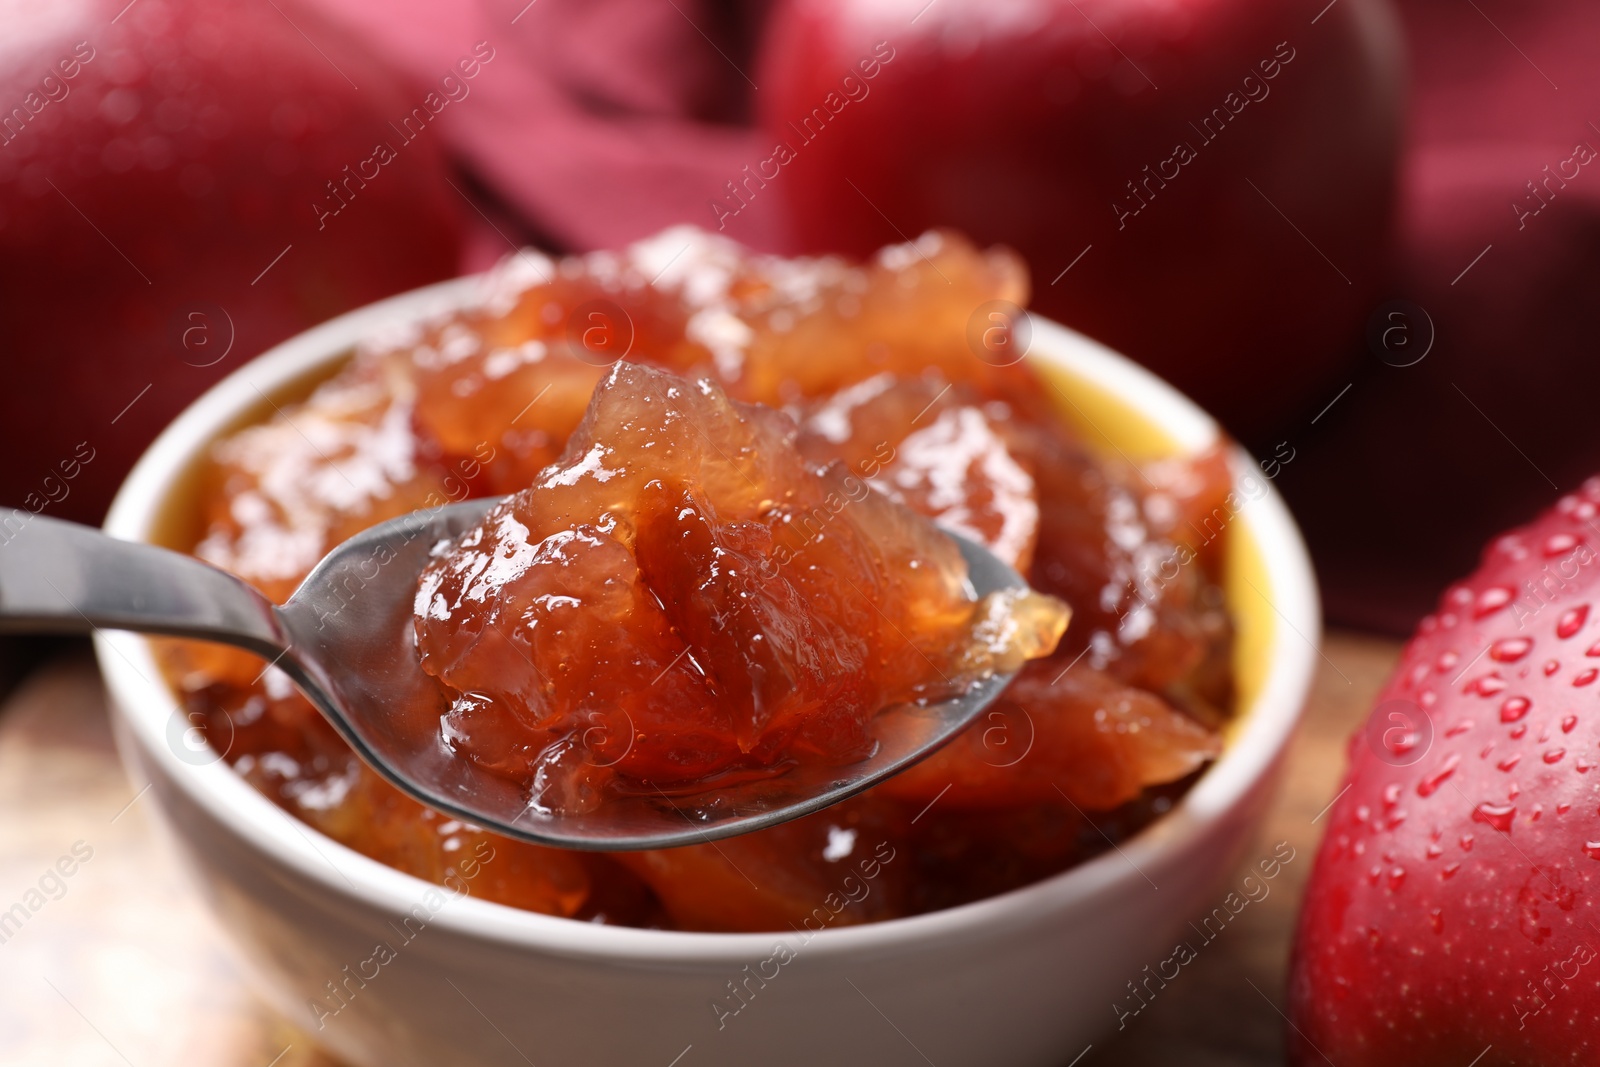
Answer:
x=720 y=470
x=683 y=599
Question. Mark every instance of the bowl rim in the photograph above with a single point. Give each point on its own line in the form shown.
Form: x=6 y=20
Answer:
x=148 y=707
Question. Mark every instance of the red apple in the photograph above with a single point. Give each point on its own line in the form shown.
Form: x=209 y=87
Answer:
x=1453 y=916
x=166 y=212
x=1206 y=185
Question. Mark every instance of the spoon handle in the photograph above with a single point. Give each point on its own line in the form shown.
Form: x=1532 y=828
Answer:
x=60 y=577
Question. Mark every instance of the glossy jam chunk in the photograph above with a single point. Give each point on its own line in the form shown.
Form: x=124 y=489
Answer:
x=939 y=449
x=282 y=746
x=886 y=368
x=1062 y=733
x=840 y=867
x=510 y=378
x=282 y=493
x=785 y=329
x=1133 y=554
x=686 y=581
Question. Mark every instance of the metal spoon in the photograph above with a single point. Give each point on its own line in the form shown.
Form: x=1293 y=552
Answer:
x=344 y=637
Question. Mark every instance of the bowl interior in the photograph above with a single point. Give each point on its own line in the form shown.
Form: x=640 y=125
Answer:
x=1117 y=407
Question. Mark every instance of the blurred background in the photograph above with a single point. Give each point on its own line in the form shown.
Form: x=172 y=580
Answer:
x=1362 y=233
x=1365 y=234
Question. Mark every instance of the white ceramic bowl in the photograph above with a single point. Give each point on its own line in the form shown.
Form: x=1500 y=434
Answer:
x=1026 y=978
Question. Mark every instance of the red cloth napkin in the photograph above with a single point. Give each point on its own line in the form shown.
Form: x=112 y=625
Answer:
x=597 y=121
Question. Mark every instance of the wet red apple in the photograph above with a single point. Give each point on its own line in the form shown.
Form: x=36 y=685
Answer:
x=182 y=184
x=1206 y=185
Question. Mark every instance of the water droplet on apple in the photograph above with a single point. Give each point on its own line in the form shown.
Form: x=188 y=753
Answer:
x=1486 y=685
x=1429 y=785
x=1510 y=649
x=1492 y=600
x=1572 y=621
x=1559 y=544
x=1499 y=816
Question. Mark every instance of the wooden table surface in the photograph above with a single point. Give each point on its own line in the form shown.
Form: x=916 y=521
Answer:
x=122 y=966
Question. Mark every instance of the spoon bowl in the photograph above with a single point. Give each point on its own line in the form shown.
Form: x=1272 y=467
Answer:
x=345 y=639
